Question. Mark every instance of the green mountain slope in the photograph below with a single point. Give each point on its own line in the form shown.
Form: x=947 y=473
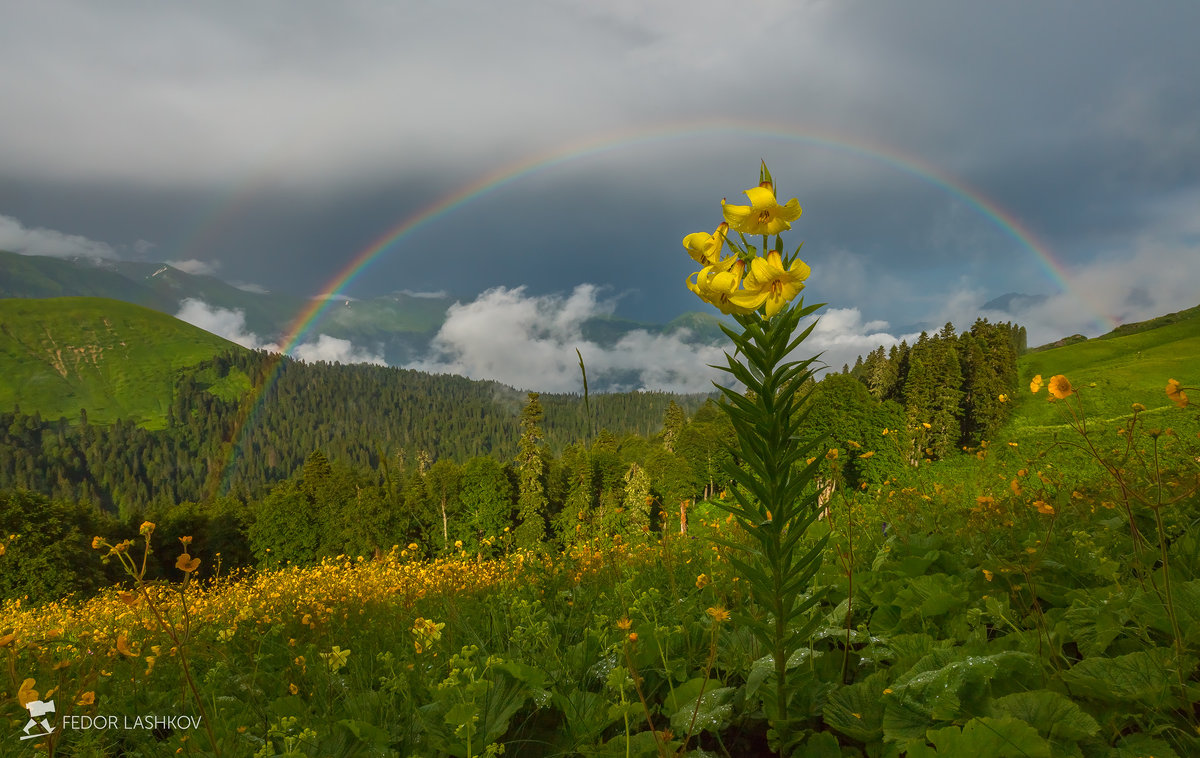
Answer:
x=115 y=359
x=1129 y=365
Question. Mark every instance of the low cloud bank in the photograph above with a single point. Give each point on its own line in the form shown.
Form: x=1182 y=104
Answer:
x=231 y=324
x=529 y=342
x=193 y=266
x=17 y=238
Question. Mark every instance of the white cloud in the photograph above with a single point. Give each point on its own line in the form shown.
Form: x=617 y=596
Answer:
x=425 y=295
x=331 y=349
x=231 y=324
x=16 y=238
x=529 y=342
x=258 y=289
x=193 y=266
x=223 y=322
x=841 y=337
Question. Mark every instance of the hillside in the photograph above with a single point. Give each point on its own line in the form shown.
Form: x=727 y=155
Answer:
x=1130 y=365
x=115 y=359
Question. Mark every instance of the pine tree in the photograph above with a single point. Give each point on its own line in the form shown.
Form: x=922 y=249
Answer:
x=532 y=501
x=673 y=423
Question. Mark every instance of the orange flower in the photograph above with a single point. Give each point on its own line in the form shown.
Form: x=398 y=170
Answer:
x=1060 y=387
x=86 y=698
x=1044 y=507
x=27 y=694
x=1036 y=384
x=123 y=646
x=718 y=613
x=186 y=563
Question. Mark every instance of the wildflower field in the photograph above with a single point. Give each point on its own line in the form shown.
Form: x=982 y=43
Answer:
x=1037 y=595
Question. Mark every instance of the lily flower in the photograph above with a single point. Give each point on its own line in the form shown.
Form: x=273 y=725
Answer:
x=764 y=215
x=705 y=249
x=717 y=285
x=776 y=284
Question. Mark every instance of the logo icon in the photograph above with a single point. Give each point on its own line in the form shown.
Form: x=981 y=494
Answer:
x=38 y=710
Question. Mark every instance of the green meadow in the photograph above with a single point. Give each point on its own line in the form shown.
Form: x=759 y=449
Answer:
x=113 y=359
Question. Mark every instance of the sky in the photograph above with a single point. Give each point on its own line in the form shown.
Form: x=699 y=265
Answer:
x=547 y=158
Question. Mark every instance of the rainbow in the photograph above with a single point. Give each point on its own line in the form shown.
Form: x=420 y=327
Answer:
x=1006 y=222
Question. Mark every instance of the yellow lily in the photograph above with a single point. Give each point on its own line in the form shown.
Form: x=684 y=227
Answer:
x=775 y=284
x=705 y=249
x=764 y=215
x=718 y=286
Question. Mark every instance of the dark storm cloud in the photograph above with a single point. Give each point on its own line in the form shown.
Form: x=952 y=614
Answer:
x=278 y=140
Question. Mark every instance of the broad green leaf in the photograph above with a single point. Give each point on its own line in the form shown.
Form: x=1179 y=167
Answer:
x=1054 y=715
x=1142 y=746
x=990 y=738
x=711 y=712
x=857 y=710
x=1145 y=676
x=819 y=745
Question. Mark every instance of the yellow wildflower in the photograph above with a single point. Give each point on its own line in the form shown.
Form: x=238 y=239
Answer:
x=336 y=658
x=26 y=693
x=186 y=563
x=718 y=613
x=97 y=542
x=146 y=528
x=988 y=575
x=779 y=285
x=764 y=215
x=867 y=454
x=1060 y=387
x=624 y=624
x=1043 y=507
x=86 y=698
x=1035 y=385
x=702 y=581
x=704 y=248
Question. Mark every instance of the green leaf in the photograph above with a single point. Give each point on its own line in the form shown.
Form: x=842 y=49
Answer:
x=713 y=711
x=990 y=738
x=819 y=745
x=1054 y=715
x=857 y=710
x=1145 y=676
x=1140 y=746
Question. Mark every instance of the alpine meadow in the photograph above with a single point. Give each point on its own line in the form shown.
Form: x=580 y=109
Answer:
x=959 y=546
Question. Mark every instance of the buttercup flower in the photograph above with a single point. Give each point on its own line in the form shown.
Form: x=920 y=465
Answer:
x=1036 y=384
x=704 y=248
x=718 y=613
x=764 y=215
x=1176 y=394
x=1060 y=387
